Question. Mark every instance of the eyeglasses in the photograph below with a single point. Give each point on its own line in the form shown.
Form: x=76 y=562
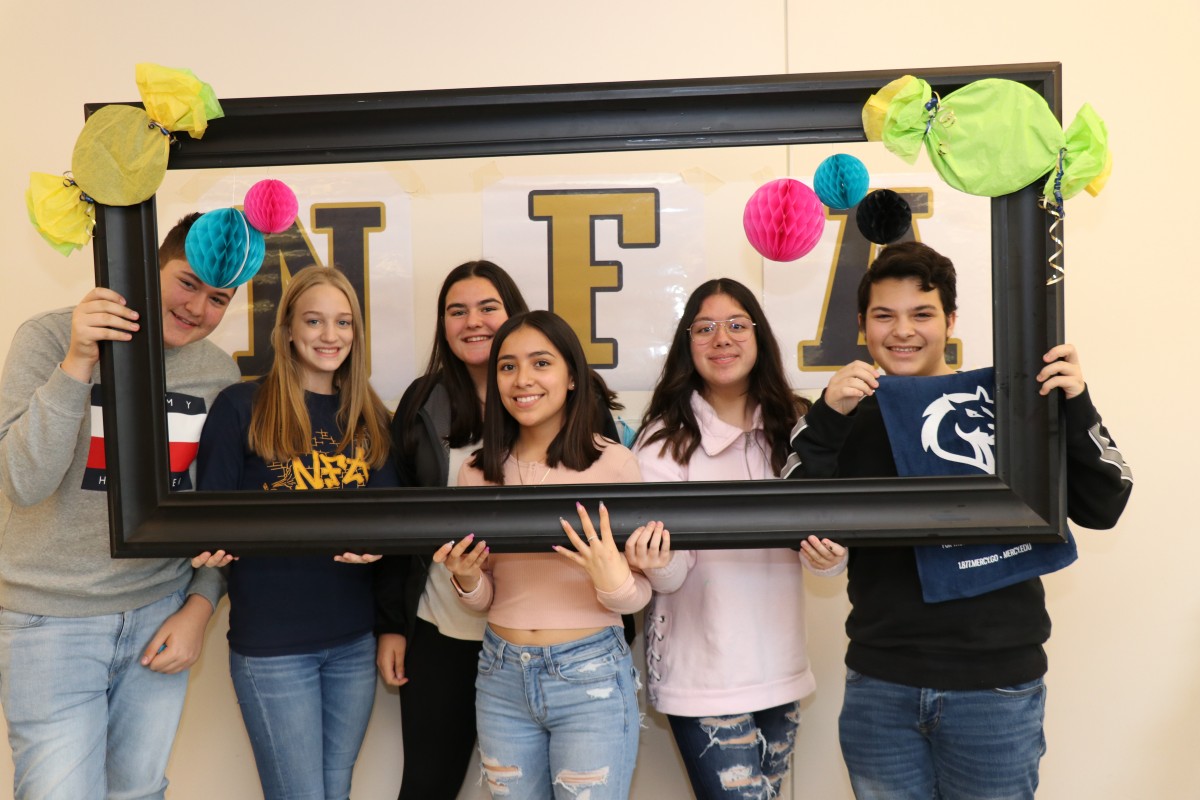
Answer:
x=739 y=329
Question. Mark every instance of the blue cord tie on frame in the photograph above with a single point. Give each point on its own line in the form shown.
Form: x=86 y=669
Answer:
x=1056 y=210
x=82 y=194
x=932 y=108
x=1058 y=176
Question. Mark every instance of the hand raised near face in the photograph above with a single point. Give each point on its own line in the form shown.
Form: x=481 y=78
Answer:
x=101 y=316
x=1062 y=371
x=849 y=385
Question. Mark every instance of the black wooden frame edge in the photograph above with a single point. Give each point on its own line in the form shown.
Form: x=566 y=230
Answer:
x=495 y=121
x=1023 y=502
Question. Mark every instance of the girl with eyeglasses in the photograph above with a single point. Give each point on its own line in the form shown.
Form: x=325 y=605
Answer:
x=556 y=694
x=301 y=644
x=725 y=636
x=428 y=641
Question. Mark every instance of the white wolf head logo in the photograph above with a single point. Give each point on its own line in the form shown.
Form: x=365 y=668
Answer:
x=982 y=438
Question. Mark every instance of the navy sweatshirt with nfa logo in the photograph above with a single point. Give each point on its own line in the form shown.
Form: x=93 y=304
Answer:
x=283 y=605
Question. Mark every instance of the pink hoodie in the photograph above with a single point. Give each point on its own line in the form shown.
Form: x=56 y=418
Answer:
x=725 y=630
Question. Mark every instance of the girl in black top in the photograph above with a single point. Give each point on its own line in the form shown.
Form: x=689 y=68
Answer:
x=428 y=643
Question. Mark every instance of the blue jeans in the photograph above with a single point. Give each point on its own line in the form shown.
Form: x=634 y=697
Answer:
x=85 y=718
x=559 y=721
x=900 y=742
x=306 y=715
x=737 y=756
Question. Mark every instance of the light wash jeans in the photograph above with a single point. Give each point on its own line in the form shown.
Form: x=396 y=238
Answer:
x=85 y=719
x=925 y=744
x=306 y=715
x=559 y=721
x=738 y=756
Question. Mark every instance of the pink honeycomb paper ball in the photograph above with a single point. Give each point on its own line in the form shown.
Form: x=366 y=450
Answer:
x=271 y=206
x=784 y=219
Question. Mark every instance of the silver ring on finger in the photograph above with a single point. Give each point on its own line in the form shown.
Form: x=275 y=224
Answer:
x=592 y=538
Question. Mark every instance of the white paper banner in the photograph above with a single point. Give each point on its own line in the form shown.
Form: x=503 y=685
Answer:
x=615 y=257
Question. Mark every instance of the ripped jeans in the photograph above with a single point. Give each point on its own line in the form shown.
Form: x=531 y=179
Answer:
x=560 y=721
x=738 y=756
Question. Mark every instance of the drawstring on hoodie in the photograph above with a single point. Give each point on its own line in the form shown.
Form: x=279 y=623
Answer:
x=751 y=439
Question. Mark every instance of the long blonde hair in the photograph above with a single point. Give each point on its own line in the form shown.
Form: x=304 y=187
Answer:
x=279 y=425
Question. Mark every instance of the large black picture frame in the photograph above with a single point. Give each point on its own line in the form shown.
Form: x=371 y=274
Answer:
x=1023 y=501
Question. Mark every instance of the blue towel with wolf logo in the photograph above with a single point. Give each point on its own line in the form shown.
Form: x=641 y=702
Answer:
x=945 y=425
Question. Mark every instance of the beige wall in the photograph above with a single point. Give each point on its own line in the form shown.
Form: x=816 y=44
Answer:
x=1124 y=707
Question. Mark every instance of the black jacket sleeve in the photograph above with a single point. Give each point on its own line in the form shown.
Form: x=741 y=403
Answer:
x=392 y=573
x=1099 y=481
x=391 y=586
x=405 y=466
x=817 y=440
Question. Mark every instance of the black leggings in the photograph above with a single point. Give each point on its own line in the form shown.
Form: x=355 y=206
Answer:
x=437 y=713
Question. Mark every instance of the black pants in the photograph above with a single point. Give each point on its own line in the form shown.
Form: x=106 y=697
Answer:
x=437 y=713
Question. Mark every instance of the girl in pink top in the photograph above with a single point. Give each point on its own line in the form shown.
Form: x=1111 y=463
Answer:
x=725 y=649
x=556 y=697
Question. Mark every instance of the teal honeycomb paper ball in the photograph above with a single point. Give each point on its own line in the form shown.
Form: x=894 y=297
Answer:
x=224 y=249
x=841 y=181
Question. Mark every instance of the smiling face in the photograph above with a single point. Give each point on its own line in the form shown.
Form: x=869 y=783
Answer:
x=906 y=329
x=472 y=315
x=191 y=309
x=533 y=379
x=723 y=363
x=321 y=332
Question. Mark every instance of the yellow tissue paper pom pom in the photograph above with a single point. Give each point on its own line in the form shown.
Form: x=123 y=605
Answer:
x=59 y=212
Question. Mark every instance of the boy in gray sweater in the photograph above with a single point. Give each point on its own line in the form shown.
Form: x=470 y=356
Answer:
x=94 y=651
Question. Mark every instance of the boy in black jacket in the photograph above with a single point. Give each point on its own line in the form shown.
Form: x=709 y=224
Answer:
x=942 y=699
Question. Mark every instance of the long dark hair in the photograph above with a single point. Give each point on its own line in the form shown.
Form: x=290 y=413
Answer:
x=575 y=445
x=466 y=418
x=671 y=403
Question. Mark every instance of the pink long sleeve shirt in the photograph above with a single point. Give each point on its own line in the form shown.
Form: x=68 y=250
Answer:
x=532 y=591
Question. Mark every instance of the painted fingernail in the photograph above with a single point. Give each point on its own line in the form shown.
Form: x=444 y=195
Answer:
x=468 y=537
x=579 y=505
x=602 y=505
